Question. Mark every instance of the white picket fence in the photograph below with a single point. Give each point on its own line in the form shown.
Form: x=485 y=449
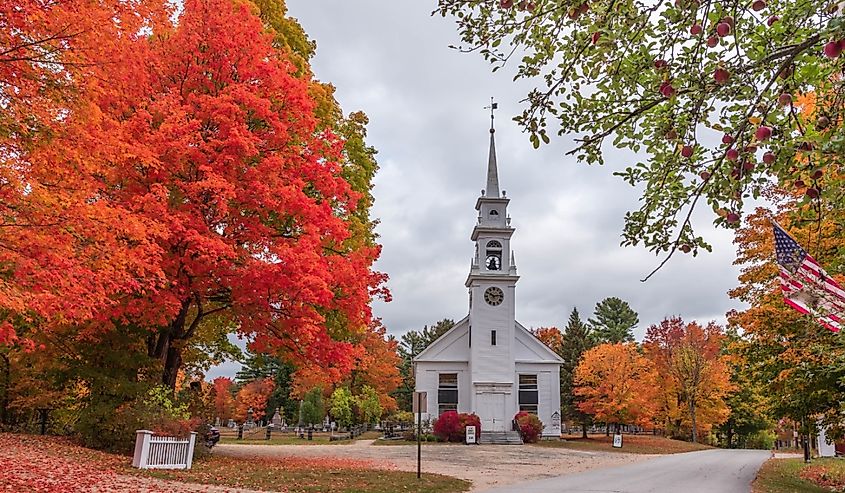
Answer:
x=162 y=452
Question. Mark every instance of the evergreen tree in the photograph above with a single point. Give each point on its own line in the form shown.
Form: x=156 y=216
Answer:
x=576 y=340
x=614 y=321
x=411 y=344
x=258 y=366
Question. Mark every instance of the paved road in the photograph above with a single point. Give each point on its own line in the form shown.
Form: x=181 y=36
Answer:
x=709 y=471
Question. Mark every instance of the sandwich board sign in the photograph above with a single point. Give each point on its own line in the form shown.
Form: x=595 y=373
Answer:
x=470 y=435
x=617 y=440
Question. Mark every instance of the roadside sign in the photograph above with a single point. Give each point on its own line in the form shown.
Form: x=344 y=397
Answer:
x=617 y=440
x=420 y=402
x=470 y=435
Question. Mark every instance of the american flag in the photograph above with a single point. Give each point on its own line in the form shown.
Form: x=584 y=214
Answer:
x=805 y=285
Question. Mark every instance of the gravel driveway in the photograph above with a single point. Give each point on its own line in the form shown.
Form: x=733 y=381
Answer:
x=487 y=466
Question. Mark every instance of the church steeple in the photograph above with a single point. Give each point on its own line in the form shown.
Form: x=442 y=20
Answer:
x=492 y=189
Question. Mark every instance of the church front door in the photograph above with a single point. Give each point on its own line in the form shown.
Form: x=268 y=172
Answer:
x=491 y=410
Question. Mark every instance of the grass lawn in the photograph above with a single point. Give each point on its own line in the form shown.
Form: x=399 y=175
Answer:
x=292 y=439
x=793 y=476
x=303 y=475
x=632 y=444
x=405 y=442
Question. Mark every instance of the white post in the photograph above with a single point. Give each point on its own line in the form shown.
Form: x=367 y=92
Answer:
x=142 y=449
x=191 y=442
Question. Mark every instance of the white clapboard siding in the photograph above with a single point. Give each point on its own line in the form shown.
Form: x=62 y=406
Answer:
x=163 y=452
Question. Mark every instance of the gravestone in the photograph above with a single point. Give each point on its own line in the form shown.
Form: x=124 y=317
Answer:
x=277 y=419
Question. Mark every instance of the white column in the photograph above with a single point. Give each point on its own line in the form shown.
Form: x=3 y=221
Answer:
x=191 y=442
x=142 y=449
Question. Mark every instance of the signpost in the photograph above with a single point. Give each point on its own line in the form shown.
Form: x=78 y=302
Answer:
x=617 y=440
x=470 y=435
x=420 y=402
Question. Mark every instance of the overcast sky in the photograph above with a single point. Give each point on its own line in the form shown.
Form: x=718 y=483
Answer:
x=391 y=59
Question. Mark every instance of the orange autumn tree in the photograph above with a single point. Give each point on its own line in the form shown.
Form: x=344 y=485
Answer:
x=795 y=361
x=376 y=364
x=550 y=336
x=204 y=131
x=617 y=385
x=693 y=375
x=223 y=400
x=65 y=250
x=253 y=395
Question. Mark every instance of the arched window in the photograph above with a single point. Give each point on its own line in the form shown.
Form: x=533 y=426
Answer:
x=494 y=213
x=493 y=257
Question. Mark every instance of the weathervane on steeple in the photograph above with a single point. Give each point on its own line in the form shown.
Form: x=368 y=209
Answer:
x=493 y=106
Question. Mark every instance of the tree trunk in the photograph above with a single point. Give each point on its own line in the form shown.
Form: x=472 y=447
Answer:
x=172 y=363
x=692 y=418
x=607 y=429
x=584 y=428
x=7 y=382
x=730 y=432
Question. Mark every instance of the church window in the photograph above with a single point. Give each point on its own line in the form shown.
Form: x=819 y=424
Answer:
x=492 y=337
x=528 y=393
x=494 y=213
x=447 y=393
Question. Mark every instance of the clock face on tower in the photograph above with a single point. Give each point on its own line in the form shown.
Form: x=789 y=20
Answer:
x=494 y=296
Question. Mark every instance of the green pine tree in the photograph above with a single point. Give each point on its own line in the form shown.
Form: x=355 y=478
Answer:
x=614 y=321
x=411 y=344
x=576 y=340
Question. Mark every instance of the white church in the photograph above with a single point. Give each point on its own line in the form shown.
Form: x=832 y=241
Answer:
x=488 y=363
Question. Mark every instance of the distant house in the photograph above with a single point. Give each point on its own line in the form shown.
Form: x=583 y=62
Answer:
x=488 y=363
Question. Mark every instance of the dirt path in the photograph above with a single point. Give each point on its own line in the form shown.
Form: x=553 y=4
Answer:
x=486 y=466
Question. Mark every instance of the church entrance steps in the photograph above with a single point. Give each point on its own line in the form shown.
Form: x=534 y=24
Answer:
x=500 y=438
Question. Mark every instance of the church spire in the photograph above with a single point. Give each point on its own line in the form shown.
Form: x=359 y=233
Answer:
x=492 y=169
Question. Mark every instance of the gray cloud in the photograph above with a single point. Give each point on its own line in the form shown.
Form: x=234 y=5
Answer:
x=391 y=59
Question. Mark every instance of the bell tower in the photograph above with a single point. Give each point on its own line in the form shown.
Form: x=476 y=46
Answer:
x=492 y=287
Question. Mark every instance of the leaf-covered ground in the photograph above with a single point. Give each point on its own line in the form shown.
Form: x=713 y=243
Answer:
x=631 y=444
x=34 y=464
x=793 y=476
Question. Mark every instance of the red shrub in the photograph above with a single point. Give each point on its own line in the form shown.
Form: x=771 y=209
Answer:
x=451 y=426
x=530 y=426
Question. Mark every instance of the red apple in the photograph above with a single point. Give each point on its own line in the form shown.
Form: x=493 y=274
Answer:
x=712 y=41
x=733 y=217
x=704 y=175
x=751 y=149
x=817 y=174
x=758 y=5
x=727 y=139
x=666 y=89
x=832 y=49
x=506 y=4
x=799 y=184
x=763 y=133
x=686 y=151
x=721 y=76
x=728 y=20
x=672 y=134
x=785 y=99
x=748 y=165
x=822 y=123
x=696 y=29
x=660 y=63
x=772 y=20
x=732 y=154
x=813 y=193
x=769 y=157
x=685 y=248
x=530 y=7
x=723 y=29
x=596 y=36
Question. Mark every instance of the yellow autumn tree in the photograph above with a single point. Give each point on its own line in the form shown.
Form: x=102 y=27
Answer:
x=693 y=375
